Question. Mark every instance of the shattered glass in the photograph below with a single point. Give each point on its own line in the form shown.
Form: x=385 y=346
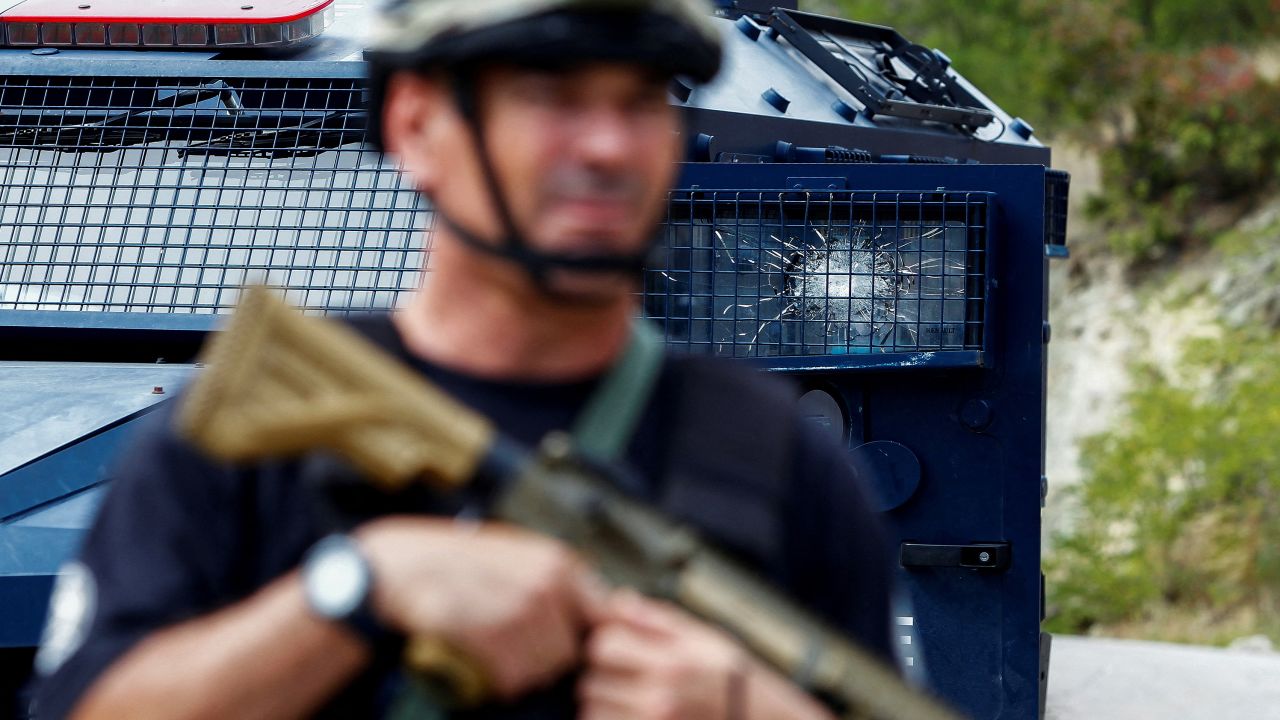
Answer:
x=832 y=285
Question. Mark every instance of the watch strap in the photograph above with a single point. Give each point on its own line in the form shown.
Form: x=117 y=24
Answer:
x=365 y=624
x=361 y=620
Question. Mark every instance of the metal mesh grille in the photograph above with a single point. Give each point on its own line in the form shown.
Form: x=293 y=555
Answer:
x=151 y=195
x=1057 y=187
x=781 y=273
x=164 y=195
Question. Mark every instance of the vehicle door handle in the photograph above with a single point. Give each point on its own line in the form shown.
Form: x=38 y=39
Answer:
x=978 y=556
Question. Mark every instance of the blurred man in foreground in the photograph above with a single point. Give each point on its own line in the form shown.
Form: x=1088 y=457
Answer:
x=542 y=134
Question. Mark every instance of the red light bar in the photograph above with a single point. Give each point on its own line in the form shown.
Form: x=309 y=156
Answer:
x=167 y=24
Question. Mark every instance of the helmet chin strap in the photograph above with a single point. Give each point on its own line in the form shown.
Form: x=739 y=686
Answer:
x=512 y=246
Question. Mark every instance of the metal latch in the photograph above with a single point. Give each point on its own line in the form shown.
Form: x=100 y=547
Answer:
x=979 y=556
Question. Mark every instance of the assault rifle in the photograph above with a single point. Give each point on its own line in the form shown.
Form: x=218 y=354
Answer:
x=279 y=383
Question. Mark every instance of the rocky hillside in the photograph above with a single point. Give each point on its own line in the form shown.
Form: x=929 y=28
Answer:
x=1164 y=401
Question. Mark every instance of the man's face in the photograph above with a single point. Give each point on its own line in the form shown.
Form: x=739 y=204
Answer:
x=584 y=157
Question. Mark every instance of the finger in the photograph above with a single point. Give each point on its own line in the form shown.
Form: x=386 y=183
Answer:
x=527 y=668
x=606 y=696
x=605 y=711
x=531 y=653
x=646 y=615
x=554 y=640
x=591 y=595
x=619 y=648
x=608 y=686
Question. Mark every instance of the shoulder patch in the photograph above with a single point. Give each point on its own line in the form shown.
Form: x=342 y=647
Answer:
x=71 y=609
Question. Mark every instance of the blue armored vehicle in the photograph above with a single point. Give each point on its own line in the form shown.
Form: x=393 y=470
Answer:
x=852 y=213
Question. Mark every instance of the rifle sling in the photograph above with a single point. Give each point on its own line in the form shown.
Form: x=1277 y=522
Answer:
x=603 y=428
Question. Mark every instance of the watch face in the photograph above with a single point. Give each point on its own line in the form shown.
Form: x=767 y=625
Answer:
x=336 y=578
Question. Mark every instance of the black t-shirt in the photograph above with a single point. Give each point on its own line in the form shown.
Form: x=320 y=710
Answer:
x=179 y=536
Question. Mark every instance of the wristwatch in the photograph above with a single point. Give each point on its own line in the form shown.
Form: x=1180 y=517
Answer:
x=338 y=582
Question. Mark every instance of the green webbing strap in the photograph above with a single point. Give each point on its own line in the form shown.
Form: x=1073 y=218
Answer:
x=603 y=428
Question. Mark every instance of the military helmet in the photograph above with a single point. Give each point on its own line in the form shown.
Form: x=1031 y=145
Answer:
x=673 y=37
x=676 y=36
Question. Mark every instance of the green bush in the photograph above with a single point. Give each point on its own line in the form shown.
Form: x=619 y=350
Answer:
x=1055 y=63
x=1202 y=132
x=1191 y=24
x=1181 y=504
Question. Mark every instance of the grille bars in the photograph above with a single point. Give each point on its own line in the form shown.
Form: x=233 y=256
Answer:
x=165 y=195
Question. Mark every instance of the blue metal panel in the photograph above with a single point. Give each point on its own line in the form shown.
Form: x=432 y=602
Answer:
x=976 y=428
x=48 y=406
x=25 y=599
x=73 y=468
x=112 y=321
x=73 y=512
x=45 y=509
x=84 y=336
x=32 y=548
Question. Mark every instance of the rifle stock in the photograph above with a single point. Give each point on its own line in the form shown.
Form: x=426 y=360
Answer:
x=279 y=383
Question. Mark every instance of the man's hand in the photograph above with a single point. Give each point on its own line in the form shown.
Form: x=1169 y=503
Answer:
x=516 y=602
x=648 y=660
